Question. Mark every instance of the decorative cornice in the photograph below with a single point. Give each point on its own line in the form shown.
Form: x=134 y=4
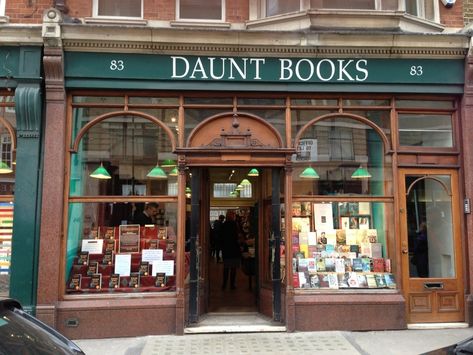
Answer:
x=28 y=109
x=86 y=45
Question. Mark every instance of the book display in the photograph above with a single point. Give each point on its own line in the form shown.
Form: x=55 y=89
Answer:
x=127 y=258
x=336 y=247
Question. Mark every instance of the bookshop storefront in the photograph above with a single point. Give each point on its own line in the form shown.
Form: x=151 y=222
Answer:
x=348 y=173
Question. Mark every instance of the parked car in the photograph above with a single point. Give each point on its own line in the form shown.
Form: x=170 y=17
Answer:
x=463 y=347
x=21 y=333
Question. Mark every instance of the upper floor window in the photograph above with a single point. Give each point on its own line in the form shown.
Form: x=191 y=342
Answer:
x=118 y=8
x=2 y=7
x=201 y=10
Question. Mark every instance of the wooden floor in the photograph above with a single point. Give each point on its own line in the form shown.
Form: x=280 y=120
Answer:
x=242 y=299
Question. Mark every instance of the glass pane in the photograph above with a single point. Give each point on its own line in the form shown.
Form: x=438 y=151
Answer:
x=342 y=245
x=108 y=249
x=261 y=102
x=347 y=156
x=366 y=102
x=199 y=9
x=194 y=116
x=425 y=130
x=314 y=102
x=126 y=8
x=98 y=100
x=127 y=148
x=277 y=118
x=6 y=230
x=429 y=225
x=340 y=4
x=411 y=7
x=209 y=101
x=167 y=116
x=278 y=7
x=149 y=100
x=429 y=104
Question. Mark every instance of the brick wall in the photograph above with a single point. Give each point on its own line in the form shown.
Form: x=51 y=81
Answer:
x=468 y=11
x=237 y=10
x=452 y=17
x=26 y=11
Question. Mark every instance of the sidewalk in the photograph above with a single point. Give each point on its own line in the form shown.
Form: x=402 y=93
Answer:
x=402 y=342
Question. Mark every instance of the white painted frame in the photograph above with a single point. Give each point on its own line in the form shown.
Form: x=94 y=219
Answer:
x=222 y=14
x=2 y=7
x=95 y=11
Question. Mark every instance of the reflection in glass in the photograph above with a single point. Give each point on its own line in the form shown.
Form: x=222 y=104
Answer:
x=425 y=130
x=429 y=225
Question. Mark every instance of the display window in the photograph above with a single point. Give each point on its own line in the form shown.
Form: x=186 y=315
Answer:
x=341 y=214
x=122 y=211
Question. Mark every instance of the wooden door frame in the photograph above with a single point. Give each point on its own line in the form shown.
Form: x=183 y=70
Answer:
x=457 y=234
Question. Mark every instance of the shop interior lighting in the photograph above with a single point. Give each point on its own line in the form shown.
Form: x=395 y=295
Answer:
x=4 y=168
x=100 y=173
x=168 y=163
x=173 y=172
x=253 y=172
x=361 y=173
x=309 y=173
x=157 y=173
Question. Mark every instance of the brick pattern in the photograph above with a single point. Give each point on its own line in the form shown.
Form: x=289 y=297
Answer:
x=26 y=11
x=452 y=17
x=468 y=11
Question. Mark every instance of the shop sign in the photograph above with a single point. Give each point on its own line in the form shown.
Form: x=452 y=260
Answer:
x=277 y=70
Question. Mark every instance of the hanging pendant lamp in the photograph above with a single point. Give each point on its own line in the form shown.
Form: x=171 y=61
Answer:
x=309 y=173
x=168 y=163
x=174 y=172
x=4 y=168
x=100 y=173
x=157 y=173
x=253 y=172
x=245 y=182
x=361 y=173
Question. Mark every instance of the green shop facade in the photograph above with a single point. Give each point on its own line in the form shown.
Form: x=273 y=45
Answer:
x=21 y=105
x=358 y=205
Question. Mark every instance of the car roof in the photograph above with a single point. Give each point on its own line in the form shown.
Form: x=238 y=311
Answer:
x=9 y=303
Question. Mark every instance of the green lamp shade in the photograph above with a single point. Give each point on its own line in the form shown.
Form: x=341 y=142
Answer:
x=245 y=182
x=4 y=168
x=361 y=173
x=100 y=173
x=239 y=187
x=233 y=193
x=173 y=172
x=157 y=173
x=253 y=172
x=168 y=163
x=309 y=173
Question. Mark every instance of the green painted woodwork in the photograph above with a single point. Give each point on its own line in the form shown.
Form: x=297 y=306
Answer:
x=19 y=64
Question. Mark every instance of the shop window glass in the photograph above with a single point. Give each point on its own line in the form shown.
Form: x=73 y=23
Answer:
x=121 y=247
x=201 y=10
x=277 y=118
x=151 y=100
x=432 y=104
x=366 y=102
x=425 y=130
x=232 y=190
x=168 y=116
x=342 y=245
x=314 y=102
x=278 y=7
x=98 y=100
x=128 y=148
x=209 y=101
x=336 y=148
x=261 y=102
x=118 y=8
x=194 y=116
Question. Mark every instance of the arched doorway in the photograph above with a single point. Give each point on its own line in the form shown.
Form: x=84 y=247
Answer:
x=220 y=153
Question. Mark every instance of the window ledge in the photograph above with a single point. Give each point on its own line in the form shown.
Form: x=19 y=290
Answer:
x=115 y=21
x=4 y=19
x=368 y=20
x=201 y=24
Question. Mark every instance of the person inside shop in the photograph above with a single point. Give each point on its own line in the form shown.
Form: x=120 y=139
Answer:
x=216 y=237
x=148 y=215
x=231 y=251
x=421 y=251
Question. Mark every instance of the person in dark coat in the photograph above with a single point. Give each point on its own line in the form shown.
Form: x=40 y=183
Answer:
x=231 y=251
x=216 y=237
x=148 y=215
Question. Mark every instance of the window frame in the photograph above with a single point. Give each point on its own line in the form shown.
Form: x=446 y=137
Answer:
x=2 y=7
x=222 y=14
x=95 y=10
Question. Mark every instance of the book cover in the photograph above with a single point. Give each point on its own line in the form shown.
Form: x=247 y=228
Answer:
x=303 y=280
x=324 y=282
x=343 y=280
x=371 y=281
x=106 y=232
x=332 y=280
x=108 y=258
x=296 y=209
x=83 y=258
x=170 y=246
x=340 y=265
x=372 y=235
x=144 y=268
x=330 y=248
x=376 y=250
x=378 y=265
x=295 y=238
x=320 y=264
x=96 y=281
x=160 y=279
x=344 y=222
x=362 y=283
x=341 y=236
x=302 y=265
x=351 y=236
x=357 y=265
x=304 y=238
x=389 y=279
x=129 y=238
x=312 y=238
x=295 y=279
x=162 y=233
x=311 y=265
x=364 y=223
x=365 y=250
x=380 y=281
x=353 y=280
x=304 y=249
x=134 y=280
x=330 y=264
x=354 y=248
x=348 y=264
x=314 y=281
x=387 y=265
x=114 y=281
x=366 y=264
x=75 y=282
x=331 y=236
x=149 y=232
x=109 y=245
x=153 y=244
x=93 y=268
